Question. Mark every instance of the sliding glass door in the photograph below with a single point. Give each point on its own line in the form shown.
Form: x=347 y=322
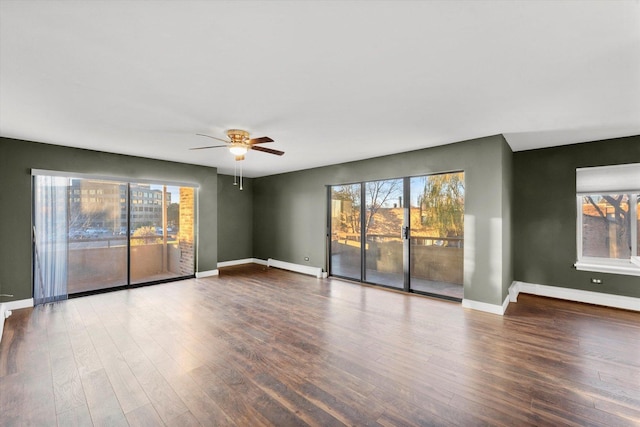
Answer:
x=94 y=234
x=437 y=234
x=161 y=232
x=97 y=237
x=346 y=231
x=383 y=227
x=408 y=234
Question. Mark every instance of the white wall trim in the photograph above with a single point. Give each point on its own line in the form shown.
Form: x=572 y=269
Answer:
x=208 y=273
x=4 y=313
x=298 y=268
x=578 y=295
x=489 y=308
x=242 y=261
x=627 y=267
x=18 y=304
x=6 y=307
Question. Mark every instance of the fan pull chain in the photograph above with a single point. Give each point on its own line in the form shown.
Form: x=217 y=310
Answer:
x=235 y=173
x=241 y=176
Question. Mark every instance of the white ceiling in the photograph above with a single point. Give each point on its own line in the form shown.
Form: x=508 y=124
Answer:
x=329 y=81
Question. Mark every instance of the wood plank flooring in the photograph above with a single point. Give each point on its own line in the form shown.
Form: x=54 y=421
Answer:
x=264 y=347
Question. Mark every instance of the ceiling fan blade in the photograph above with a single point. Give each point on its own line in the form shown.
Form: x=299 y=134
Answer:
x=210 y=146
x=209 y=136
x=267 y=150
x=260 y=140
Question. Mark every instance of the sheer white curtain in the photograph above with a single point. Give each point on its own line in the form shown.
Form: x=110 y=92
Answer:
x=50 y=232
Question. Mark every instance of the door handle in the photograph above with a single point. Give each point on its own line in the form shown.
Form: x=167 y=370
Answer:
x=405 y=233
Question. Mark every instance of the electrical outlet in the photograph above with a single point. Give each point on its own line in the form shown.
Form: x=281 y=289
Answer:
x=596 y=281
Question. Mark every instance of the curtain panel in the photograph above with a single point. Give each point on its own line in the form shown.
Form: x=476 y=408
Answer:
x=50 y=232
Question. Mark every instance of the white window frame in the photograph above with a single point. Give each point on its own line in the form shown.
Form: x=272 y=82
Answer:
x=620 y=179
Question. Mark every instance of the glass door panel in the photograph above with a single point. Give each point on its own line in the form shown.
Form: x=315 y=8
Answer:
x=437 y=234
x=162 y=232
x=384 y=219
x=345 y=236
x=97 y=235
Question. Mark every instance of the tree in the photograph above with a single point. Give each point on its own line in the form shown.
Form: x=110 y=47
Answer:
x=145 y=236
x=620 y=217
x=173 y=215
x=442 y=204
x=378 y=194
x=350 y=209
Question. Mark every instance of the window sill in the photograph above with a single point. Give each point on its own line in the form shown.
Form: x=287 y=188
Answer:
x=622 y=267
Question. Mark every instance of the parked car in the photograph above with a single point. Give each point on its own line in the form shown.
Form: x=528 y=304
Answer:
x=75 y=234
x=95 y=232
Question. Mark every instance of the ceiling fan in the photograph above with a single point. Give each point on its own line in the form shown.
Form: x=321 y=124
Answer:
x=239 y=143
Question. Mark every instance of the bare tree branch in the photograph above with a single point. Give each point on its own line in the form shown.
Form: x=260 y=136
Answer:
x=595 y=205
x=375 y=189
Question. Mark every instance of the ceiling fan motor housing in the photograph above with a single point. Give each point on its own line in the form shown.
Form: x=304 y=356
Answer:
x=238 y=136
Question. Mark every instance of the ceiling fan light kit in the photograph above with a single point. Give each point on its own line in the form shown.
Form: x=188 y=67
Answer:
x=238 y=150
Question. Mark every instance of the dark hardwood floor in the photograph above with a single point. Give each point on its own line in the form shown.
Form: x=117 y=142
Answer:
x=258 y=346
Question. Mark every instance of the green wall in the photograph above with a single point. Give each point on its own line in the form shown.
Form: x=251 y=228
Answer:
x=545 y=214
x=17 y=158
x=290 y=209
x=235 y=219
x=519 y=222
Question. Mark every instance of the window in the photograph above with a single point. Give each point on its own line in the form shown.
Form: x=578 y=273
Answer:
x=608 y=200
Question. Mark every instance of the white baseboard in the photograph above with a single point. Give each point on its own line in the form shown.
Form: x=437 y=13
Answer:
x=578 y=295
x=18 y=304
x=242 y=261
x=208 y=273
x=489 y=308
x=4 y=313
x=6 y=307
x=298 y=268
